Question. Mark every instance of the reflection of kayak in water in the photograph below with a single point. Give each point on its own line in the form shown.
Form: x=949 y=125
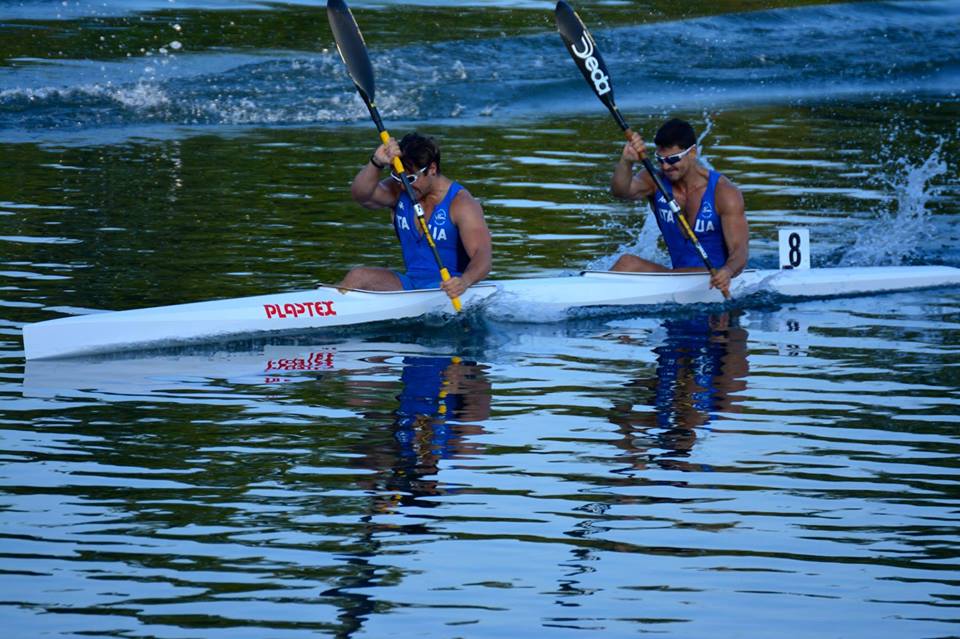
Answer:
x=122 y=376
x=327 y=307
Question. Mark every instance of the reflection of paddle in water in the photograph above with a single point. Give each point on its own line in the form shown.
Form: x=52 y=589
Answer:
x=701 y=365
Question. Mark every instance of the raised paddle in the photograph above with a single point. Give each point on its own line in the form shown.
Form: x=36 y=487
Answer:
x=354 y=53
x=584 y=52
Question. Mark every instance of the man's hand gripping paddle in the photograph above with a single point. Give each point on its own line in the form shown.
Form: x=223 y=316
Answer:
x=353 y=50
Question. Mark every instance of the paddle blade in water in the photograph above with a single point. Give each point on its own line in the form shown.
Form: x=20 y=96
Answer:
x=351 y=46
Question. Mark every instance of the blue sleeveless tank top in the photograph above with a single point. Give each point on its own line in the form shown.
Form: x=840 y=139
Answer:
x=417 y=255
x=706 y=227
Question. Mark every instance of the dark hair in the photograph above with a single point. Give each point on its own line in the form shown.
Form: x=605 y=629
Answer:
x=420 y=150
x=675 y=132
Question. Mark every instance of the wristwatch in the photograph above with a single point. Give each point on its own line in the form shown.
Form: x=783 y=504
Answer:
x=373 y=161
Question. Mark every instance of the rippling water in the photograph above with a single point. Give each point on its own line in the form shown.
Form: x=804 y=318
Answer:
x=772 y=468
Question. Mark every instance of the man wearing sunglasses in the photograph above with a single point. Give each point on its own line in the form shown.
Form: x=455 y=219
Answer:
x=454 y=218
x=711 y=203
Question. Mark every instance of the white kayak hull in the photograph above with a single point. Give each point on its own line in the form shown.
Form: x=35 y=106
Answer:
x=606 y=288
x=327 y=307
x=322 y=307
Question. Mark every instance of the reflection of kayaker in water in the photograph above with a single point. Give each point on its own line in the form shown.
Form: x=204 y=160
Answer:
x=437 y=395
x=436 y=389
x=701 y=364
x=439 y=404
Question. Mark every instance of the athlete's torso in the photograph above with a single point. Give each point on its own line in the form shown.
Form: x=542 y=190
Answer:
x=417 y=256
x=706 y=226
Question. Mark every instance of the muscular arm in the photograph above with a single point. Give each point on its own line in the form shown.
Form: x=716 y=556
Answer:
x=467 y=214
x=736 y=232
x=625 y=184
x=370 y=191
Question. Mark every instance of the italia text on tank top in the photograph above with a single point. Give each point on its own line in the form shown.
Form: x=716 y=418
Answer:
x=706 y=227
x=417 y=256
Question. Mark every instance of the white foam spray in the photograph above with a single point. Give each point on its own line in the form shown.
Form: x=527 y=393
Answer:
x=903 y=229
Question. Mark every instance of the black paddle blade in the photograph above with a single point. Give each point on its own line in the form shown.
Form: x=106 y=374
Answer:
x=352 y=48
x=584 y=52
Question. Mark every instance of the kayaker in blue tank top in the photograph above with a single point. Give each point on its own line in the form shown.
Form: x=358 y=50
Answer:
x=713 y=206
x=421 y=264
x=454 y=218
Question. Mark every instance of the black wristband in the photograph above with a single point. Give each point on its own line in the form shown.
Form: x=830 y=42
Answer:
x=373 y=161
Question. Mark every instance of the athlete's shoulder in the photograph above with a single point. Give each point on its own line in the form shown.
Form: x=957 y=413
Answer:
x=723 y=182
x=464 y=200
x=728 y=196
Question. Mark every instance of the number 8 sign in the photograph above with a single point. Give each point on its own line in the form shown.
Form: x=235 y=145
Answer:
x=794 y=248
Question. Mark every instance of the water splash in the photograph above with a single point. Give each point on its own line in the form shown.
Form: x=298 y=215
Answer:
x=643 y=242
x=742 y=58
x=904 y=229
x=708 y=121
x=142 y=96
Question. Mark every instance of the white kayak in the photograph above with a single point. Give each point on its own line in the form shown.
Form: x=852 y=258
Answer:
x=295 y=311
x=327 y=307
x=606 y=288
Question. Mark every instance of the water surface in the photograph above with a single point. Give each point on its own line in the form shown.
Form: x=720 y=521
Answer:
x=682 y=472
